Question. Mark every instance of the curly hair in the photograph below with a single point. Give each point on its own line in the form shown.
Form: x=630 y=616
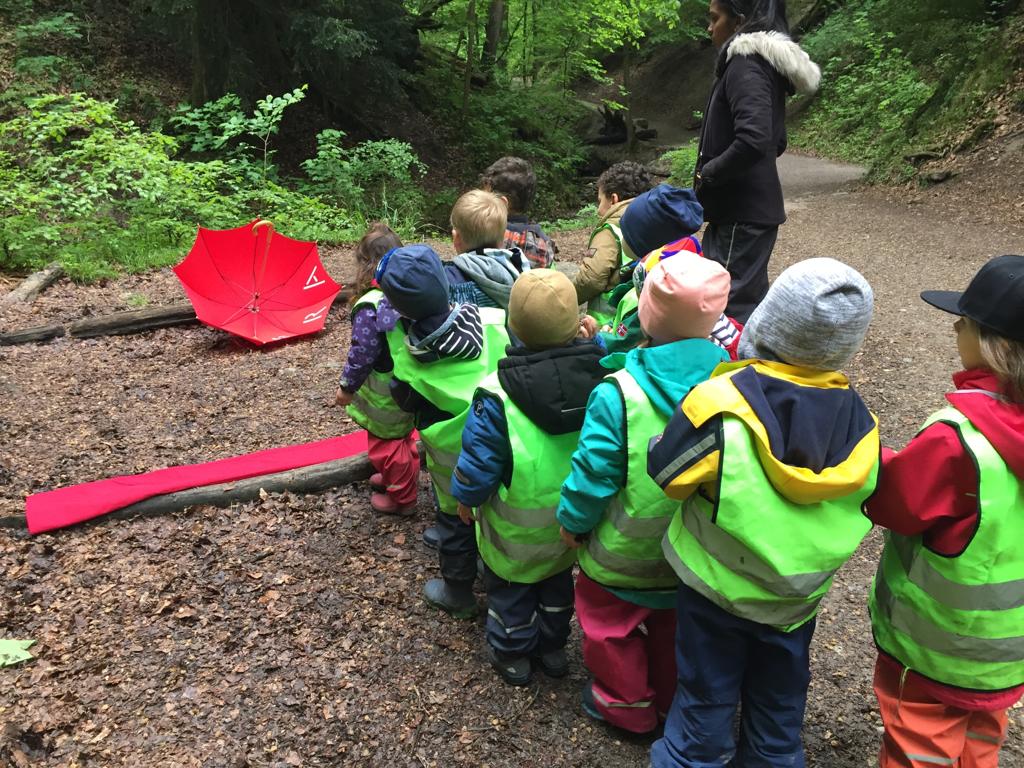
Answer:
x=626 y=179
x=512 y=178
x=378 y=240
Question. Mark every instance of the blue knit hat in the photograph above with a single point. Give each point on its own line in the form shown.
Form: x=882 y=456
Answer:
x=413 y=280
x=659 y=216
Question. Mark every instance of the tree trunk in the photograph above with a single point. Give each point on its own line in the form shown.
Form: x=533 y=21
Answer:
x=211 y=51
x=627 y=84
x=470 y=56
x=495 y=26
x=33 y=285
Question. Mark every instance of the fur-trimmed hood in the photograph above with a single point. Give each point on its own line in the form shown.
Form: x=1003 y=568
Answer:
x=786 y=57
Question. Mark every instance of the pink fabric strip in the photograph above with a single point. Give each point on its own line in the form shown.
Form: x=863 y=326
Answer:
x=67 y=506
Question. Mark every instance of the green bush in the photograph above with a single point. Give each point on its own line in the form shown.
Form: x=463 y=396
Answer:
x=682 y=163
x=377 y=178
x=82 y=185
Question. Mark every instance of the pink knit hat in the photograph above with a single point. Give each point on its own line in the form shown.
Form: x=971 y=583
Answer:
x=683 y=297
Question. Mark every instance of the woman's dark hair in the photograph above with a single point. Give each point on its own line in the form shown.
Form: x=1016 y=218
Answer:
x=378 y=240
x=759 y=15
x=626 y=179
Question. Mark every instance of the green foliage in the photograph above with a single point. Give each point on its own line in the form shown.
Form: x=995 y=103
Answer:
x=682 y=162
x=377 y=178
x=897 y=75
x=222 y=124
x=79 y=183
x=585 y=218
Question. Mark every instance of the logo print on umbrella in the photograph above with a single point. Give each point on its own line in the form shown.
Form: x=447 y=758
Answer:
x=257 y=284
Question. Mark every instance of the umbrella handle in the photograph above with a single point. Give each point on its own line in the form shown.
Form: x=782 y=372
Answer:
x=266 y=249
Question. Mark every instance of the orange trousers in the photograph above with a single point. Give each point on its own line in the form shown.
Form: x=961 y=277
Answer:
x=921 y=732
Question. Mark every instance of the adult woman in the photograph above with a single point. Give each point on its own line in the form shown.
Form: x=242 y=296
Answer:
x=742 y=134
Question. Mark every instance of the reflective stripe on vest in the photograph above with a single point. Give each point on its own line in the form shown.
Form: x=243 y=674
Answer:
x=372 y=407
x=770 y=560
x=624 y=549
x=959 y=620
x=517 y=532
x=449 y=384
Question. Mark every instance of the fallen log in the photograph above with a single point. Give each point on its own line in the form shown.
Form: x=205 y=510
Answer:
x=28 y=335
x=32 y=286
x=311 y=479
x=122 y=323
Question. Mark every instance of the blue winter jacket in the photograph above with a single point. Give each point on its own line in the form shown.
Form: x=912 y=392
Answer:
x=666 y=373
x=486 y=458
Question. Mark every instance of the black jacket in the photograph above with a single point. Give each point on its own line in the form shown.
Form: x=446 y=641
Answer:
x=552 y=387
x=744 y=128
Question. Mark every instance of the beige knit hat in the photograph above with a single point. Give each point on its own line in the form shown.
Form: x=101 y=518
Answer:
x=542 y=310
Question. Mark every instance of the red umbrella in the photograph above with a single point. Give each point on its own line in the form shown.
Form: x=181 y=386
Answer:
x=257 y=284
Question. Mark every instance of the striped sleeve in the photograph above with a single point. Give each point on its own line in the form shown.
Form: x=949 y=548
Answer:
x=464 y=339
x=684 y=456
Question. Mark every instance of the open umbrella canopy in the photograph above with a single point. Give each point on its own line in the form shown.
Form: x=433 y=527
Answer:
x=257 y=284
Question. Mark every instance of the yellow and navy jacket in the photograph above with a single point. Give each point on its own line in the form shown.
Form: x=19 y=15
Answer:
x=814 y=437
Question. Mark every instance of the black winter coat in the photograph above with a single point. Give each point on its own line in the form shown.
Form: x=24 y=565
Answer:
x=744 y=128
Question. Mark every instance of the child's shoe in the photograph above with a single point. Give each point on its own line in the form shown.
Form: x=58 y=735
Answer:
x=377 y=482
x=554 y=663
x=432 y=537
x=587 y=702
x=456 y=599
x=385 y=505
x=514 y=670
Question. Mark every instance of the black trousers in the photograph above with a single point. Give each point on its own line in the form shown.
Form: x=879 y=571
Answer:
x=743 y=249
x=457 y=549
x=528 y=618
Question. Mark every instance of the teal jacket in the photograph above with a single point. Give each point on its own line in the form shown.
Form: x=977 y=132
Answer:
x=666 y=373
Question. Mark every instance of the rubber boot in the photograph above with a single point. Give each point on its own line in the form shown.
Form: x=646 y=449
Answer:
x=453 y=598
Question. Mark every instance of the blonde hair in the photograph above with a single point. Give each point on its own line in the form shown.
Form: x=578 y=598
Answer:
x=481 y=218
x=1004 y=357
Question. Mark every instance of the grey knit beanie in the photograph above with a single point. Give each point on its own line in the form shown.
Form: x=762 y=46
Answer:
x=816 y=315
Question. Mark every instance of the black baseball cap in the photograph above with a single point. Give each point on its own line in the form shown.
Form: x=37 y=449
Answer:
x=994 y=299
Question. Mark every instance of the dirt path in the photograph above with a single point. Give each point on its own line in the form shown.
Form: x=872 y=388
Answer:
x=290 y=632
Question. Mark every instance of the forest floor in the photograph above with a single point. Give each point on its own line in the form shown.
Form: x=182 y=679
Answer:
x=290 y=631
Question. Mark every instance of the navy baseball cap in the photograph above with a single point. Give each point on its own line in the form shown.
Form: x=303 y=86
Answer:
x=994 y=299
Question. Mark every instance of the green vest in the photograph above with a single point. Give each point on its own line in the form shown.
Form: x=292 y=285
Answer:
x=624 y=550
x=756 y=554
x=372 y=406
x=623 y=332
x=449 y=384
x=959 y=620
x=600 y=307
x=517 y=532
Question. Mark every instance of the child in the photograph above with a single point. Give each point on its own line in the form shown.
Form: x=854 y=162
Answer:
x=625 y=593
x=663 y=215
x=947 y=605
x=441 y=354
x=364 y=386
x=483 y=271
x=512 y=179
x=519 y=435
x=773 y=457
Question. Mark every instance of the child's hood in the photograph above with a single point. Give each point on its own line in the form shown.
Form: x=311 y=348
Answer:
x=666 y=373
x=786 y=57
x=814 y=436
x=552 y=387
x=1002 y=423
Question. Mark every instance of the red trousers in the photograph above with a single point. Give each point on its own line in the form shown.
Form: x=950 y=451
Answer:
x=920 y=731
x=399 y=462
x=630 y=650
